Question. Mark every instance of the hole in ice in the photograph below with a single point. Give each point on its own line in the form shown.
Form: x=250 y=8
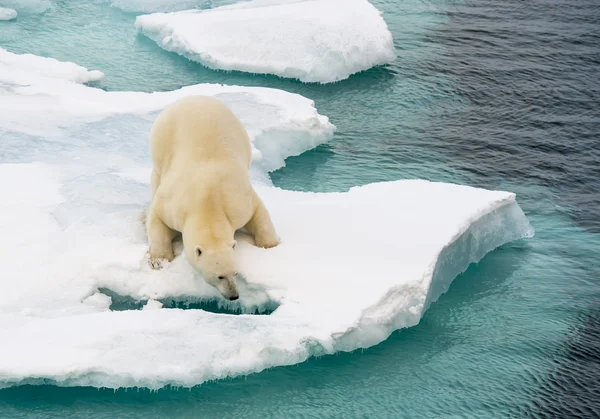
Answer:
x=125 y=302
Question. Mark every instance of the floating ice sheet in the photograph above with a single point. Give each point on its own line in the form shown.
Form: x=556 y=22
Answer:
x=280 y=124
x=351 y=268
x=310 y=40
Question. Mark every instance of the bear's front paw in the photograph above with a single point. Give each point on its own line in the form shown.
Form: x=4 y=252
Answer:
x=158 y=261
x=155 y=263
x=266 y=243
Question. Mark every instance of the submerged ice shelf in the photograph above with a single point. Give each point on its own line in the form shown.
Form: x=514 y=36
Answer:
x=352 y=267
x=311 y=40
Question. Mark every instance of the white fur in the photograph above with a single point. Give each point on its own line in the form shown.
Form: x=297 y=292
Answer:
x=201 y=187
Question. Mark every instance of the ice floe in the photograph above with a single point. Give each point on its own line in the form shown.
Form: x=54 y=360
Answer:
x=352 y=267
x=280 y=124
x=310 y=40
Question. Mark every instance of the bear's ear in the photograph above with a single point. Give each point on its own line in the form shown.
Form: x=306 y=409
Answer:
x=198 y=251
x=233 y=243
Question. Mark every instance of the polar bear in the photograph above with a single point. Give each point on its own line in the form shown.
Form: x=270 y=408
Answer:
x=201 y=157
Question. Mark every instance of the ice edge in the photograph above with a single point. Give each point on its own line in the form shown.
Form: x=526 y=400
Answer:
x=508 y=223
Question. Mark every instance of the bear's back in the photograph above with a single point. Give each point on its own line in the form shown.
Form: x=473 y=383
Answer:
x=196 y=132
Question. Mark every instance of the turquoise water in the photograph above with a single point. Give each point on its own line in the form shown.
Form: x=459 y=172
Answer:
x=477 y=96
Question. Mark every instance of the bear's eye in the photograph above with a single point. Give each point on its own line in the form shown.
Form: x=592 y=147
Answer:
x=198 y=251
x=221 y=277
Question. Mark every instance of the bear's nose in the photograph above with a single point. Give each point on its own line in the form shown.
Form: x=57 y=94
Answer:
x=234 y=297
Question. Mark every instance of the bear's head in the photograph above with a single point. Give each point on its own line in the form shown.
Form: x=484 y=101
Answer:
x=218 y=266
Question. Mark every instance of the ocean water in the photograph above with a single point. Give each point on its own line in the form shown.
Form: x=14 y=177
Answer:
x=502 y=95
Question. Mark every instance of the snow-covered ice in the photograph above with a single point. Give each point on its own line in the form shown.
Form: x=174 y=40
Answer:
x=310 y=40
x=14 y=67
x=7 y=14
x=271 y=116
x=352 y=267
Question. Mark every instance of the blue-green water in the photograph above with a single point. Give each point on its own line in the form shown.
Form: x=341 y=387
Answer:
x=501 y=96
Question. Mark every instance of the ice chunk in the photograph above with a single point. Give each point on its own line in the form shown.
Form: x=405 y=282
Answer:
x=28 y=66
x=310 y=40
x=33 y=6
x=352 y=267
x=153 y=305
x=7 y=14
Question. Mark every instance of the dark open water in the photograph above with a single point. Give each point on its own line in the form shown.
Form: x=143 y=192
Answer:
x=531 y=73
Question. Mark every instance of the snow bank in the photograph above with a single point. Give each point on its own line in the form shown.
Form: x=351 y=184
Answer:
x=351 y=268
x=310 y=40
x=7 y=14
x=28 y=66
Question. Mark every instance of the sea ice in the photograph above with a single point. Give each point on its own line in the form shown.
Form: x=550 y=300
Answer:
x=7 y=14
x=310 y=40
x=352 y=267
x=33 y=6
x=24 y=66
x=280 y=124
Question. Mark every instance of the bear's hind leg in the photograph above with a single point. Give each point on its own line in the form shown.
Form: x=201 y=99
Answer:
x=261 y=226
x=160 y=239
x=154 y=181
